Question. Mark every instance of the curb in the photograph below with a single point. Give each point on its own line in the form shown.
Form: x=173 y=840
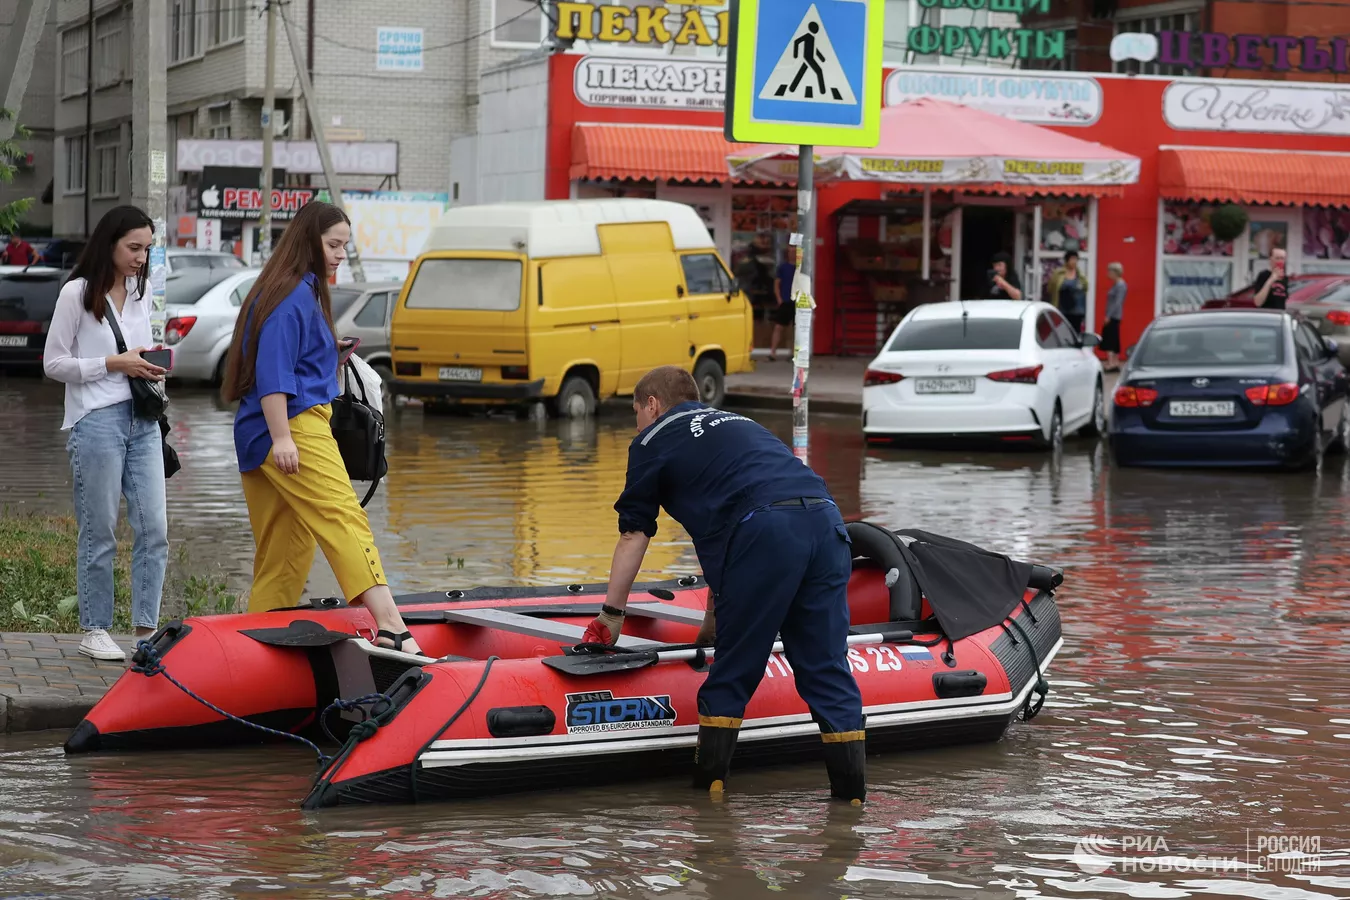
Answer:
x=754 y=400
x=22 y=713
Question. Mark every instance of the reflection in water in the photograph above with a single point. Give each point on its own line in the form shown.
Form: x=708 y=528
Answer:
x=1200 y=698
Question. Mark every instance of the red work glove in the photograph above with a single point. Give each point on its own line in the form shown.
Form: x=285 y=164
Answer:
x=604 y=628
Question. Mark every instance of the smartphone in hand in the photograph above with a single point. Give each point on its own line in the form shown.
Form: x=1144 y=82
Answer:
x=162 y=358
x=346 y=347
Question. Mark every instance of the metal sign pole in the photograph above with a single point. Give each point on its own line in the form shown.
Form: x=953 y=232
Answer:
x=803 y=296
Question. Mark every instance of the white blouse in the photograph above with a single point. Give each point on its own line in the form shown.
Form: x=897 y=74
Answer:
x=78 y=347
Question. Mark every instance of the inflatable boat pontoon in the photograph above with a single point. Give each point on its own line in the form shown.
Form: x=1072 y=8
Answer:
x=949 y=643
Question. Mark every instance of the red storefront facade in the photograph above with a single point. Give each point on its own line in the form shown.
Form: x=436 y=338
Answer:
x=1271 y=147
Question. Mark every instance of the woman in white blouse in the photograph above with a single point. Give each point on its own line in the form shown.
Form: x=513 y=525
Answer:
x=113 y=453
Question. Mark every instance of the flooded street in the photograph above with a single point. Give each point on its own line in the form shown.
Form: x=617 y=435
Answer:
x=1200 y=708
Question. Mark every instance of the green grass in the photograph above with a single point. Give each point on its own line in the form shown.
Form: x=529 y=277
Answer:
x=37 y=579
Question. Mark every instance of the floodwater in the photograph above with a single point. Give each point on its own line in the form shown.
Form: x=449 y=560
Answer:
x=1200 y=714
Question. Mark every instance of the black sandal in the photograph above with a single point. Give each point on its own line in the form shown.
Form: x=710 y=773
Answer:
x=397 y=641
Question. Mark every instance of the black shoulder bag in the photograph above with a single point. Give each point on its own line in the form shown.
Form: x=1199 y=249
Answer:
x=148 y=401
x=358 y=429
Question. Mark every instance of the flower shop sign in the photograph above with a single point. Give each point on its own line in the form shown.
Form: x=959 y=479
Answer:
x=1256 y=107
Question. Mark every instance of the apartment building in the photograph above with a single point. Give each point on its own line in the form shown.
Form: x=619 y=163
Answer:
x=37 y=114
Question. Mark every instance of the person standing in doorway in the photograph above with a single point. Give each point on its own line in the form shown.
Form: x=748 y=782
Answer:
x=1115 y=311
x=1068 y=291
x=1272 y=285
x=1003 y=282
x=785 y=312
x=282 y=367
x=113 y=452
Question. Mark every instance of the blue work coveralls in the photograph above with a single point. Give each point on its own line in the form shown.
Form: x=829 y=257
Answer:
x=776 y=565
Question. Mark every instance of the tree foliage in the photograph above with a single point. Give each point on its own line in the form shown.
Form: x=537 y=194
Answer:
x=11 y=213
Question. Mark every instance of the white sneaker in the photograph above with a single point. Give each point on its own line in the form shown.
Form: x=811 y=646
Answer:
x=97 y=644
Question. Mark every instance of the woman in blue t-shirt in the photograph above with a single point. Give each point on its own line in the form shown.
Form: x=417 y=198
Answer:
x=282 y=367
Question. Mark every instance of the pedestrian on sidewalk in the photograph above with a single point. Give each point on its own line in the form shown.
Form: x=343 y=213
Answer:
x=1115 y=311
x=1068 y=291
x=18 y=252
x=282 y=367
x=113 y=452
x=786 y=311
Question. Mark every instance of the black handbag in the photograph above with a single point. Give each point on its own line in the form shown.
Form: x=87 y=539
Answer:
x=148 y=401
x=358 y=429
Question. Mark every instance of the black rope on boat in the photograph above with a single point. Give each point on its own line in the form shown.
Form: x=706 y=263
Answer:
x=473 y=695
x=148 y=662
x=1042 y=687
x=1027 y=607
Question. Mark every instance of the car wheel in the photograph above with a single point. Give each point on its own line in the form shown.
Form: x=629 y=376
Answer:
x=219 y=378
x=1097 y=426
x=711 y=381
x=386 y=390
x=1054 y=440
x=576 y=398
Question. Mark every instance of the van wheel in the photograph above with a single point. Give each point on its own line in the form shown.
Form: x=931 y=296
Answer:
x=576 y=398
x=711 y=381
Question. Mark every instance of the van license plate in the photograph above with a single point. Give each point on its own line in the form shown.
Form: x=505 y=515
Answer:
x=944 y=385
x=460 y=373
x=13 y=340
x=1200 y=408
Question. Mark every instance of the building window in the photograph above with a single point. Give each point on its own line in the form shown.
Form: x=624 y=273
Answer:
x=1184 y=22
x=518 y=23
x=107 y=151
x=218 y=123
x=74 y=60
x=75 y=154
x=110 y=48
x=183 y=25
x=224 y=20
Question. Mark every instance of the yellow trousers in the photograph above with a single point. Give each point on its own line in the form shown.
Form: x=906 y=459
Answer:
x=291 y=514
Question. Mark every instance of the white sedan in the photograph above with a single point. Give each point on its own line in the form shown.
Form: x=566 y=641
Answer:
x=201 y=306
x=1010 y=370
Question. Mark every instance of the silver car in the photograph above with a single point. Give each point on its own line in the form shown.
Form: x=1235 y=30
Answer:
x=181 y=259
x=1330 y=315
x=363 y=311
x=201 y=306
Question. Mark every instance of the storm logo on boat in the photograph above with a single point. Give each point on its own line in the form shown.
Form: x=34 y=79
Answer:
x=596 y=711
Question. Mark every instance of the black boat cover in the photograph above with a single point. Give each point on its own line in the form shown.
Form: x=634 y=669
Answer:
x=969 y=588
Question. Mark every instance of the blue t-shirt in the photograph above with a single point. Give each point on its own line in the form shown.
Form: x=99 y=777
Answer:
x=786 y=271
x=709 y=469
x=297 y=356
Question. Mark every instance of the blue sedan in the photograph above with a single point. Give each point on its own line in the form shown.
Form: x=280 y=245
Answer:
x=1230 y=388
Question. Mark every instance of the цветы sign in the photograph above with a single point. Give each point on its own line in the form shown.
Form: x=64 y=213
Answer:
x=1207 y=50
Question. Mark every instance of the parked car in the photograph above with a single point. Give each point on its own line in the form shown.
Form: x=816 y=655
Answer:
x=61 y=253
x=202 y=306
x=1230 y=387
x=1302 y=289
x=182 y=258
x=366 y=309
x=27 y=301
x=1010 y=370
x=1329 y=313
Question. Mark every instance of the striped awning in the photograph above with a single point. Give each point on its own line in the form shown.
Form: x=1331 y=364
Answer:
x=1281 y=177
x=650 y=153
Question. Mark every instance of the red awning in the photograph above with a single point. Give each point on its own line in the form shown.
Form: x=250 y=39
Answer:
x=650 y=153
x=1215 y=175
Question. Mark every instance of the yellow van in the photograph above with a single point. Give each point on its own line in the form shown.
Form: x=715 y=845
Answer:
x=566 y=301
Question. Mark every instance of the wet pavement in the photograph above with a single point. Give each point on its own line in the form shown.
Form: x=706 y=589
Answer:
x=1200 y=712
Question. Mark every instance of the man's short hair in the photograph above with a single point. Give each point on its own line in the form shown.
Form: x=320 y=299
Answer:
x=670 y=385
x=1001 y=257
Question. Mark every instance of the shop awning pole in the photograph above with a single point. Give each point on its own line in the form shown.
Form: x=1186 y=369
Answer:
x=805 y=241
x=927 y=228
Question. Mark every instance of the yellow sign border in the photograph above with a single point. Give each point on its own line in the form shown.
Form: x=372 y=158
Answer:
x=738 y=125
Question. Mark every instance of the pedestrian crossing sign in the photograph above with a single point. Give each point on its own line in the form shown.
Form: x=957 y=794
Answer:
x=805 y=72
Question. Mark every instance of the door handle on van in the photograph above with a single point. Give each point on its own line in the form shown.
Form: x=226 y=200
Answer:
x=693 y=316
x=679 y=290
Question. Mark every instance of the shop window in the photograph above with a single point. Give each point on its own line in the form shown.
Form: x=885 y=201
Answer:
x=1326 y=241
x=703 y=274
x=1197 y=266
x=1187 y=22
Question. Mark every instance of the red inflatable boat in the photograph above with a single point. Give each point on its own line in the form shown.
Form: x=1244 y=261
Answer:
x=949 y=643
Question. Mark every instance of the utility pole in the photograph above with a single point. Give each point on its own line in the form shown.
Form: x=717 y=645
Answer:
x=268 y=115
x=316 y=125
x=16 y=57
x=803 y=295
x=150 y=138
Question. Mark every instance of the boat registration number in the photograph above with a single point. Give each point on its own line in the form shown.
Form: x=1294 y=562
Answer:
x=944 y=385
x=13 y=340
x=1200 y=408
x=461 y=373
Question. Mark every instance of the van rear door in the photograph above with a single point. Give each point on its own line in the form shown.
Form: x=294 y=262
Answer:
x=461 y=319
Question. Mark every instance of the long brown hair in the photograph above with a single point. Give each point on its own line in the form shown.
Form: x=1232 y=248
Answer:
x=298 y=253
x=95 y=264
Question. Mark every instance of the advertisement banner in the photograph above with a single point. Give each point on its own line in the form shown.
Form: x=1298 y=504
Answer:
x=863 y=166
x=1042 y=99
x=1256 y=107
x=659 y=83
x=1188 y=283
x=233 y=193
x=398 y=49
x=299 y=157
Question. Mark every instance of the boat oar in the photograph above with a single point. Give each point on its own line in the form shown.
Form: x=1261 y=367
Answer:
x=582 y=664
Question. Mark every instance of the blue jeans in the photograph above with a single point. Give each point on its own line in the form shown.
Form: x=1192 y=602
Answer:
x=114 y=454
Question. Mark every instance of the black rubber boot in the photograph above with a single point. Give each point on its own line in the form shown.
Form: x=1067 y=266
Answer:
x=846 y=762
x=712 y=758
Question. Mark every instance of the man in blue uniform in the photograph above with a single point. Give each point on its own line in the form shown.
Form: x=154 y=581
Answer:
x=775 y=554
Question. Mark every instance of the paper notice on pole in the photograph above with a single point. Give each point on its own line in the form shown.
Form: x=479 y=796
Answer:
x=801 y=343
x=159 y=167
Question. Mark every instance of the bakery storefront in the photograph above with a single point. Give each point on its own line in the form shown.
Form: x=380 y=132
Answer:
x=651 y=126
